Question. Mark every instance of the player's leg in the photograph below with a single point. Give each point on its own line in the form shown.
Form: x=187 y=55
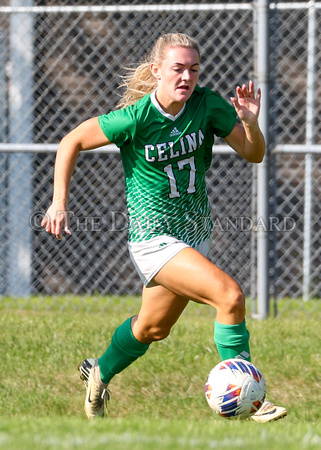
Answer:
x=191 y=275
x=159 y=311
x=123 y=350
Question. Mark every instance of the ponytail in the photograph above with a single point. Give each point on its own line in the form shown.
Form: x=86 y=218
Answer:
x=138 y=82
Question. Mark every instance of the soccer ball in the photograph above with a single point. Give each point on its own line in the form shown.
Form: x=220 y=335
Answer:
x=235 y=388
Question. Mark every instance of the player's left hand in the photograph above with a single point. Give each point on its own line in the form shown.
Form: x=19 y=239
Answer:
x=247 y=105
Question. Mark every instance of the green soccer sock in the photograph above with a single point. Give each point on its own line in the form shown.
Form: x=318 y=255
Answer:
x=232 y=341
x=123 y=350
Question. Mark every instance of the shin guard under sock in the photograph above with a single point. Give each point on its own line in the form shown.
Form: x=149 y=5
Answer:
x=232 y=341
x=123 y=350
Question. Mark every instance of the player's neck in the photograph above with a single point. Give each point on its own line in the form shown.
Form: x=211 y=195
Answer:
x=170 y=107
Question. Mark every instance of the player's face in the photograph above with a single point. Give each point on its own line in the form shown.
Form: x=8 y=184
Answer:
x=177 y=76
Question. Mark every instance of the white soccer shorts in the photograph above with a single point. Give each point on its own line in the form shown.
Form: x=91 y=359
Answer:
x=150 y=256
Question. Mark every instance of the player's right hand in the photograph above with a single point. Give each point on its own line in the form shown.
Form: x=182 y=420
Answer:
x=56 y=219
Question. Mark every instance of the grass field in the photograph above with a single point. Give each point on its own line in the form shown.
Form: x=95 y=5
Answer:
x=158 y=402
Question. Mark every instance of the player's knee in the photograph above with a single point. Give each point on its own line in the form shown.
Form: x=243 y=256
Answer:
x=157 y=333
x=235 y=301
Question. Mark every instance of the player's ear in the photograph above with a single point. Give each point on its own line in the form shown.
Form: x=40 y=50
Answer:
x=155 y=70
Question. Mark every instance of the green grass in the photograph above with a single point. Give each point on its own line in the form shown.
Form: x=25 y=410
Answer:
x=158 y=402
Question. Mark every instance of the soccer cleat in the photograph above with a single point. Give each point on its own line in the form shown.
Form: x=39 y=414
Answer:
x=269 y=412
x=97 y=393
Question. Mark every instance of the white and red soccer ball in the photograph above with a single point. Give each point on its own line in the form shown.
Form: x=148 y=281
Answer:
x=235 y=388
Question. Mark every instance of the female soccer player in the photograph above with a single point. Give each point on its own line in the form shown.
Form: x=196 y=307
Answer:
x=165 y=131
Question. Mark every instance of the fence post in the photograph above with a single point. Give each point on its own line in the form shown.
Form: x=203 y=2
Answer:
x=262 y=71
x=20 y=100
x=308 y=186
x=3 y=160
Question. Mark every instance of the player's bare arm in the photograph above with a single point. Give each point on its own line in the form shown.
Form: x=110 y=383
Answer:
x=86 y=136
x=247 y=139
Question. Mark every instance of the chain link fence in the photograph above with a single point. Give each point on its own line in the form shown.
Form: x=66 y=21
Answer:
x=61 y=62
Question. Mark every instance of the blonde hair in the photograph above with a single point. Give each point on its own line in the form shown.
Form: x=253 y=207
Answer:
x=140 y=81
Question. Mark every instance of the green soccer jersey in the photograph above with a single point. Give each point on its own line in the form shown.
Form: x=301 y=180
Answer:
x=165 y=159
